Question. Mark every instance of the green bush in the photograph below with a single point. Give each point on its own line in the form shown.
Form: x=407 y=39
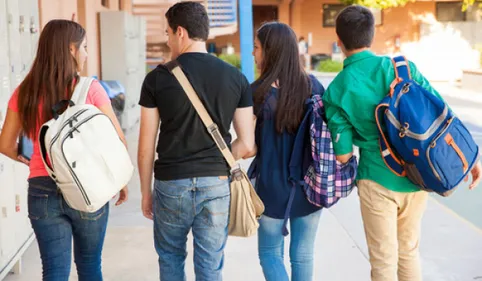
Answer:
x=233 y=60
x=330 y=66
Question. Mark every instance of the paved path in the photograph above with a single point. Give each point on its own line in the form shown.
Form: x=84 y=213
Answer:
x=451 y=245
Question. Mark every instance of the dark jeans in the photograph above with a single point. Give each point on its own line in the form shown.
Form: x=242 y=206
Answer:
x=55 y=224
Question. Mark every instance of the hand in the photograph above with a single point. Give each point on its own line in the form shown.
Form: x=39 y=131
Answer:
x=23 y=160
x=147 y=206
x=476 y=175
x=123 y=196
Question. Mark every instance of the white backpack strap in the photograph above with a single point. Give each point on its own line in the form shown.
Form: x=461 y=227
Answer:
x=80 y=93
x=43 y=150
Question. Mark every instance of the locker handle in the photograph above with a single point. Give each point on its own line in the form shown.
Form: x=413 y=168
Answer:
x=131 y=70
x=33 y=27
x=22 y=24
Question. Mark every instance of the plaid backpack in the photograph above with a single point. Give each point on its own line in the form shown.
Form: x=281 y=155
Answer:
x=326 y=180
x=313 y=162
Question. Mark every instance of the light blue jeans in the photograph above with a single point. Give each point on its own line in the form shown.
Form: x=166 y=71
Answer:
x=200 y=204
x=271 y=247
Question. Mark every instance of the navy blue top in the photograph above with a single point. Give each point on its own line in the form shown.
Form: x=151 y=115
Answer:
x=271 y=165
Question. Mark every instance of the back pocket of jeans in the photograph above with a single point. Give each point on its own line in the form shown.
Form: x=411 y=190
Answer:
x=167 y=208
x=37 y=206
x=215 y=212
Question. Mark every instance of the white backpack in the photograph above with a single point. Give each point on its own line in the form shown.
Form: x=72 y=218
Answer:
x=89 y=162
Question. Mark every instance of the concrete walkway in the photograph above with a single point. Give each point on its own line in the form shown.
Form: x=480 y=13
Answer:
x=451 y=247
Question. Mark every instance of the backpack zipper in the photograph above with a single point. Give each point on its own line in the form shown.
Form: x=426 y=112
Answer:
x=421 y=137
x=433 y=144
x=76 y=179
x=451 y=142
x=60 y=131
x=404 y=90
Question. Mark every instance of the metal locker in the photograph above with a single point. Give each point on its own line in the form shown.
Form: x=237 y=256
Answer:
x=34 y=27
x=7 y=214
x=13 y=20
x=4 y=61
x=25 y=46
x=23 y=229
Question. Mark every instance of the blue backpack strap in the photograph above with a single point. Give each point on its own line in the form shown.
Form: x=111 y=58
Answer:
x=402 y=68
x=389 y=157
x=284 y=230
x=296 y=161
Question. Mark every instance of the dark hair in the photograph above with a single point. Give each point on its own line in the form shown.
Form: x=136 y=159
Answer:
x=281 y=63
x=52 y=76
x=355 y=26
x=192 y=16
x=302 y=38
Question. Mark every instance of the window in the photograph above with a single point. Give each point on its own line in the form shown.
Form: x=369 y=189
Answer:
x=452 y=11
x=331 y=11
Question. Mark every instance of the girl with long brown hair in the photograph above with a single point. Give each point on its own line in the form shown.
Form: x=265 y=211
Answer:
x=280 y=96
x=61 y=55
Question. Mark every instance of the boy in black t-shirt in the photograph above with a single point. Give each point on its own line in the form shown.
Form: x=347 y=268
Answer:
x=191 y=189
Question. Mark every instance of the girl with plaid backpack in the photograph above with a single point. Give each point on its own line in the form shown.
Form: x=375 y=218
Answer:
x=285 y=169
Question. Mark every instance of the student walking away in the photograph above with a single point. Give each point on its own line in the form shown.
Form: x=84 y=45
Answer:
x=191 y=188
x=392 y=206
x=284 y=97
x=53 y=78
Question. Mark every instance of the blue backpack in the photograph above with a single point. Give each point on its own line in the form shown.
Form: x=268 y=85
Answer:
x=423 y=139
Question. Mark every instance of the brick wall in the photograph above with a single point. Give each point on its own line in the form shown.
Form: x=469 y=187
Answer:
x=307 y=18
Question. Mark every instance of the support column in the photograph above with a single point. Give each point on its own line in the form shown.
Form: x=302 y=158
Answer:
x=246 y=38
x=296 y=15
x=284 y=12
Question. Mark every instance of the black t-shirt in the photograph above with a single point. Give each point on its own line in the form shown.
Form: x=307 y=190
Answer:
x=185 y=148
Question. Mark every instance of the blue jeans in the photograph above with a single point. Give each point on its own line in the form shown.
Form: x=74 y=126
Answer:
x=198 y=203
x=271 y=247
x=55 y=224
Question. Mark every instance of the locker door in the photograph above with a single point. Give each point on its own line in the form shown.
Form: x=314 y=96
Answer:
x=23 y=228
x=7 y=212
x=4 y=57
x=34 y=27
x=13 y=20
x=3 y=35
x=7 y=223
x=24 y=35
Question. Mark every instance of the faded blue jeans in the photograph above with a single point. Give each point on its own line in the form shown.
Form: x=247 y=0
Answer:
x=200 y=204
x=271 y=247
x=55 y=224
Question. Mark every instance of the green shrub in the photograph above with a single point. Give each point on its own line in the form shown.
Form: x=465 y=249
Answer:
x=233 y=60
x=330 y=66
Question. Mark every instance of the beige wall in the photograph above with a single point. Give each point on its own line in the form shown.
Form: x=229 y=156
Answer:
x=87 y=14
x=56 y=9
